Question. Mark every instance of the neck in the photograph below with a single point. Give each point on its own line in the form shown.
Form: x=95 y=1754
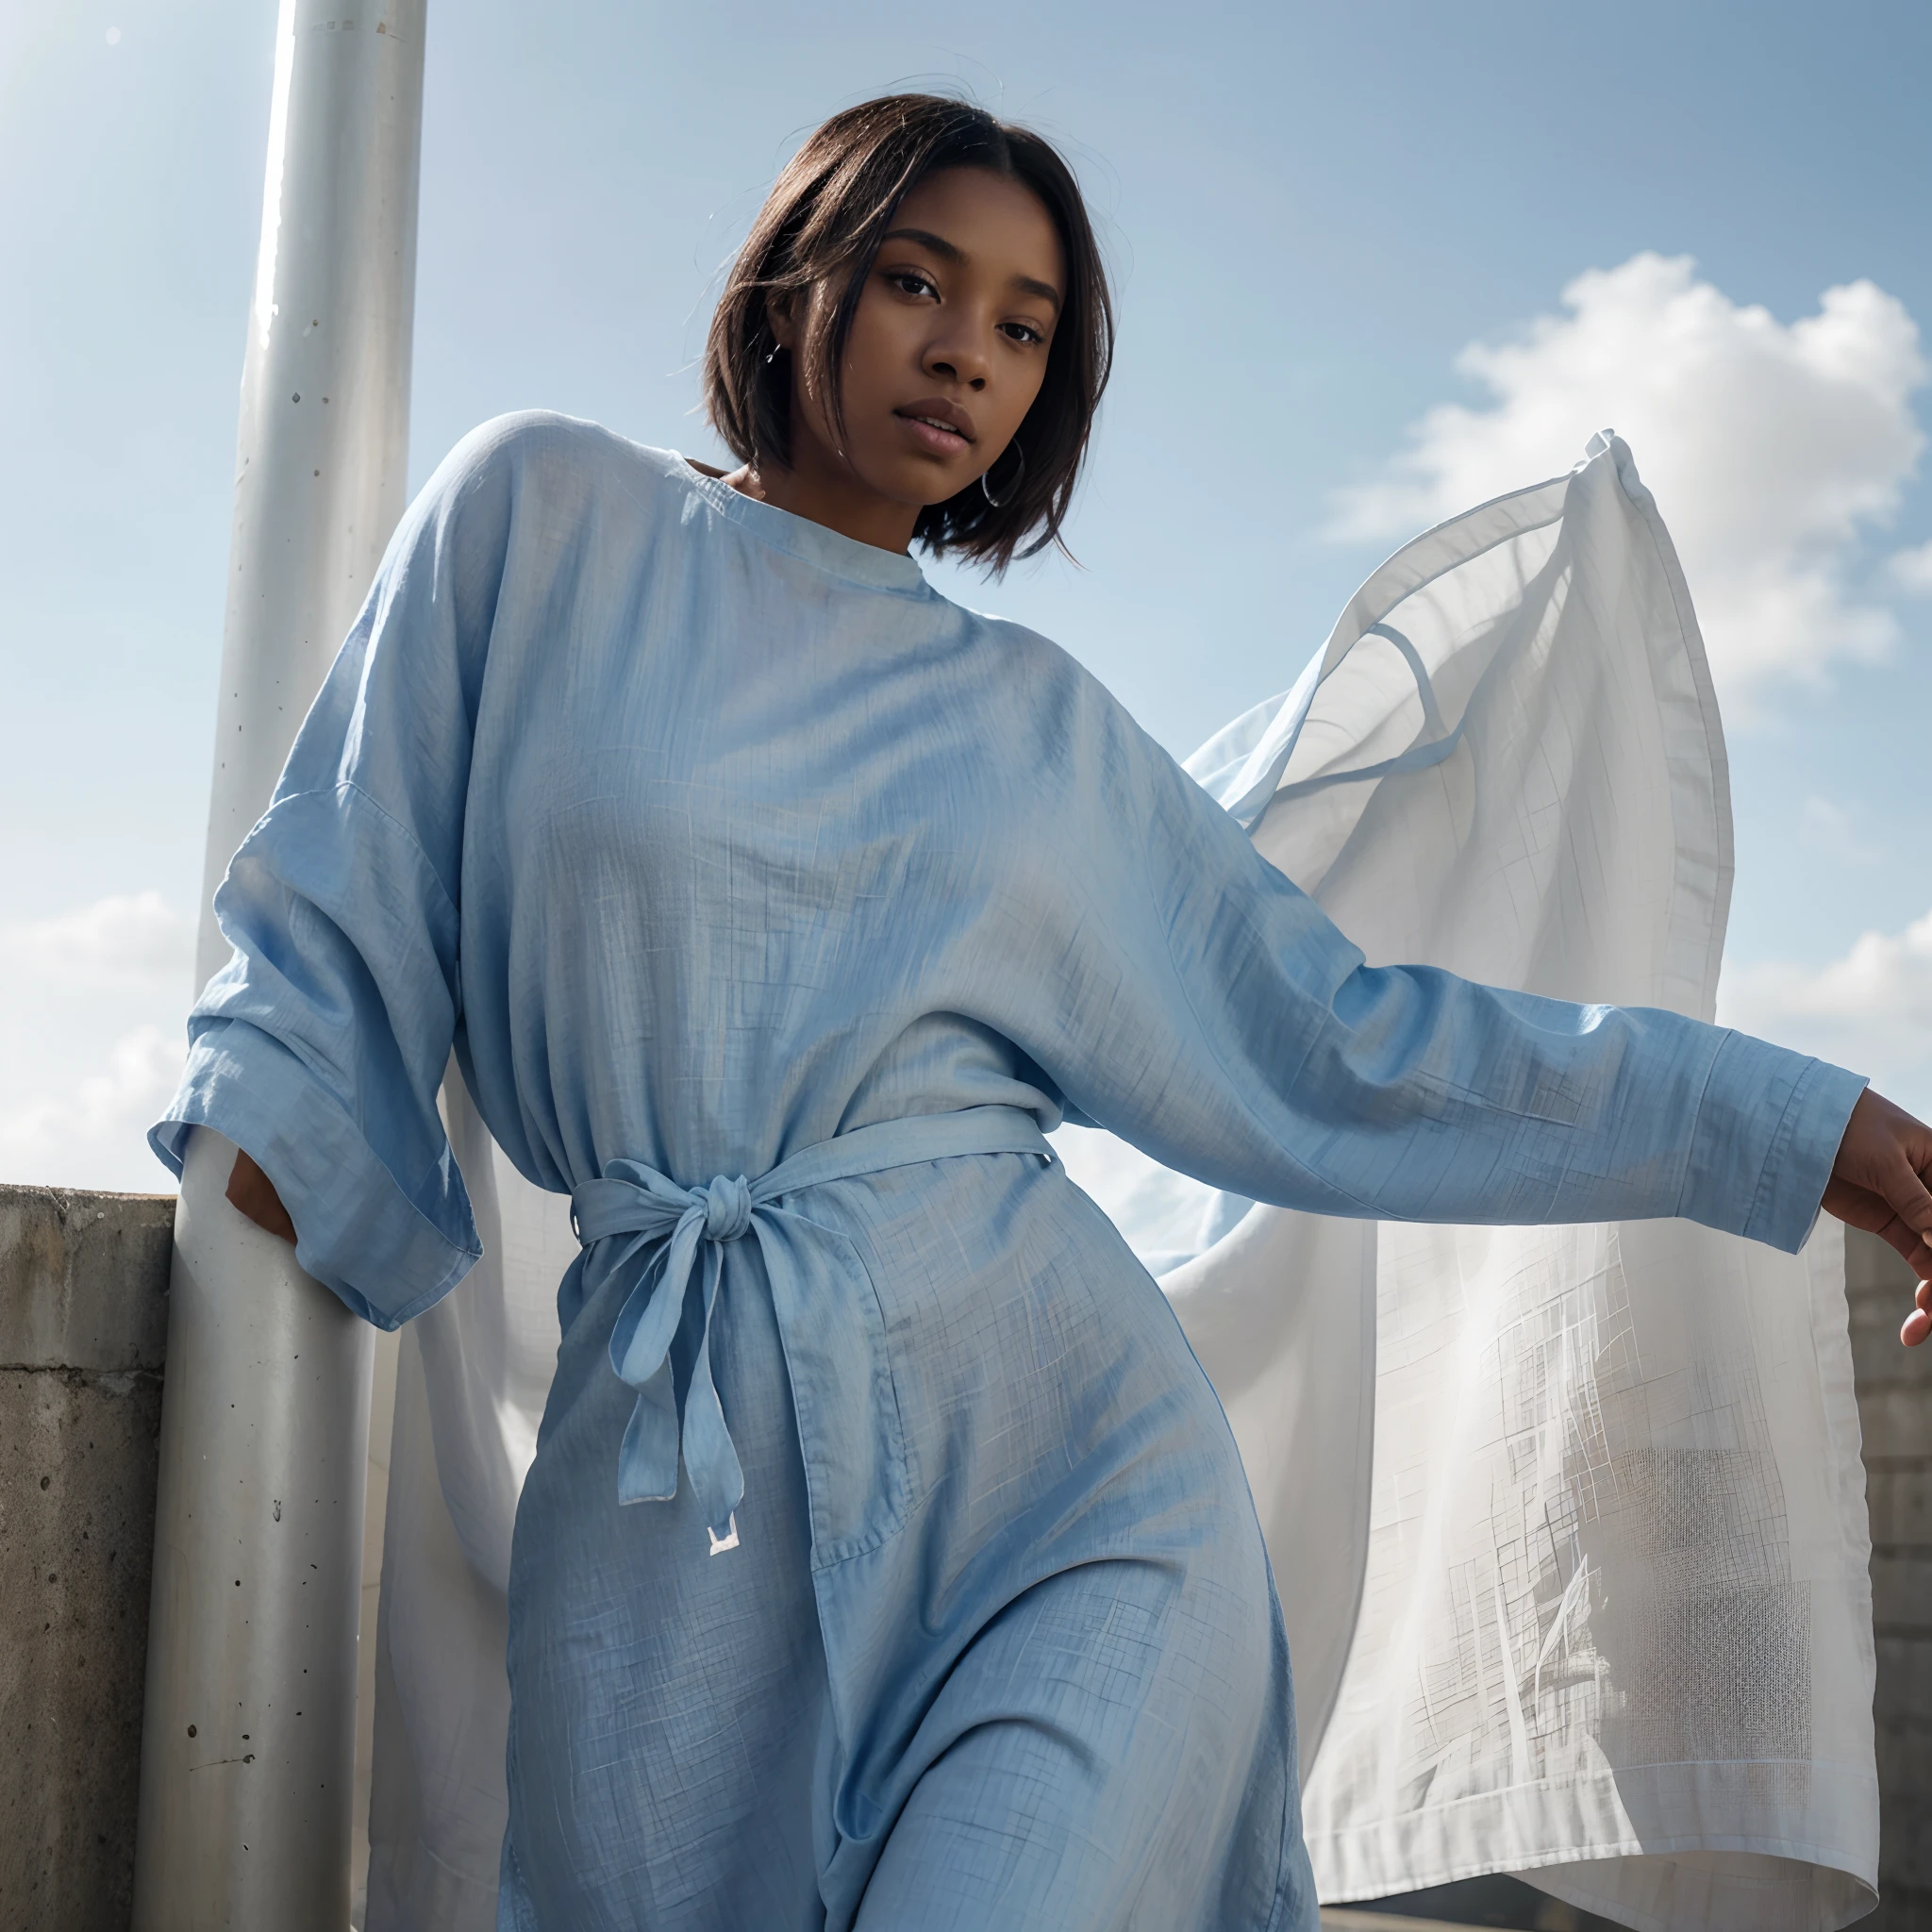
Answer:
x=822 y=488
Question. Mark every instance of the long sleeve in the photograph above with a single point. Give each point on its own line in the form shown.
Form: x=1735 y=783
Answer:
x=1212 y=1015
x=320 y=1046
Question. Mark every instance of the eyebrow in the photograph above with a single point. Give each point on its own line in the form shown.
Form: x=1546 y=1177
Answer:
x=950 y=250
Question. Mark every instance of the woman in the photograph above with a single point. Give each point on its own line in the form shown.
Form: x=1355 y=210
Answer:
x=773 y=905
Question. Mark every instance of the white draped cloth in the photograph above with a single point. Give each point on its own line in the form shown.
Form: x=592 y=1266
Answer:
x=1568 y=1522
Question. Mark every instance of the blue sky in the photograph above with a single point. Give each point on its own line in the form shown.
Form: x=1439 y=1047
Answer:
x=1313 y=213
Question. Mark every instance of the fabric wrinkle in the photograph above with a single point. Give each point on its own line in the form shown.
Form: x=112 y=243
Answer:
x=795 y=841
x=676 y=1235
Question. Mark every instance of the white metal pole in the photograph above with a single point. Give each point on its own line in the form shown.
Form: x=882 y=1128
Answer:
x=248 y=1739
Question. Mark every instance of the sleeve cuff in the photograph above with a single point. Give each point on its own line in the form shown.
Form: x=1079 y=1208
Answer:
x=385 y=1255
x=1768 y=1130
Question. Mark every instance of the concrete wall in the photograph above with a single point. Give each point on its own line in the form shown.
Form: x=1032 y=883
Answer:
x=83 y=1323
x=1896 y=1415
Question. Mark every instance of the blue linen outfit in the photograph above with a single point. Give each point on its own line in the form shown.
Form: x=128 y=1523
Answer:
x=719 y=845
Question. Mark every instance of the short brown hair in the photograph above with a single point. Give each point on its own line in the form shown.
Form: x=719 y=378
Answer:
x=825 y=219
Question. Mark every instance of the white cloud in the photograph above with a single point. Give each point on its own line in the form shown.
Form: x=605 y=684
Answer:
x=91 y=1003
x=129 y=938
x=1870 y=1009
x=1772 y=447
x=94 y=1134
x=1912 y=570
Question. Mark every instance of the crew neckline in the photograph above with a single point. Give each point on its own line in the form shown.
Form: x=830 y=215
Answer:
x=827 y=550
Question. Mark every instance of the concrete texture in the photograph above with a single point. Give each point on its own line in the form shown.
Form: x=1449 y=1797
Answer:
x=83 y=1323
x=1896 y=1415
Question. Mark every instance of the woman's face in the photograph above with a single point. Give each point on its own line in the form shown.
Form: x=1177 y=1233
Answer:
x=948 y=344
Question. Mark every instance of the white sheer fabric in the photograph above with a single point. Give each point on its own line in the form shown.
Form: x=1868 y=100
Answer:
x=471 y=1382
x=1568 y=1522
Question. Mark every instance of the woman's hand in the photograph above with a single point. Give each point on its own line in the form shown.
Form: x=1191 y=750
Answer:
x=254 y=1193
x=1879 y=1183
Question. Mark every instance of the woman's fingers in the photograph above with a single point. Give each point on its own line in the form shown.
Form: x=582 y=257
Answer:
x=1900 y=1155
x=252 y=1191
x=1879 y=1182
x=1860 y=1208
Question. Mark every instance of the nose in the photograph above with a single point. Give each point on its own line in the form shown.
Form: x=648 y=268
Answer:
x=957 y=357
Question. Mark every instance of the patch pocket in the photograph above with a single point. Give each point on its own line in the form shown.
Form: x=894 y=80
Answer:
x=850 y=1431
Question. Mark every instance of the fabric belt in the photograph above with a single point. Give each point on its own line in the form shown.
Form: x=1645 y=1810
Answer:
x=667 y=1225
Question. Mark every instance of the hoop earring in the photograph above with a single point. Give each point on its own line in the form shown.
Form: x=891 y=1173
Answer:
x=1007 y=489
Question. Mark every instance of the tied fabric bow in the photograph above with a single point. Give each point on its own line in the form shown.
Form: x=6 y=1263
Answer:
x=638 y=1201
x=667 y=1225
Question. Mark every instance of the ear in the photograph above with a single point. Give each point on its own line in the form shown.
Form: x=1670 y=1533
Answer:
x=781 y=317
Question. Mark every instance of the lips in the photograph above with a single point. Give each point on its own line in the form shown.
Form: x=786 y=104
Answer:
x=942 y=425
